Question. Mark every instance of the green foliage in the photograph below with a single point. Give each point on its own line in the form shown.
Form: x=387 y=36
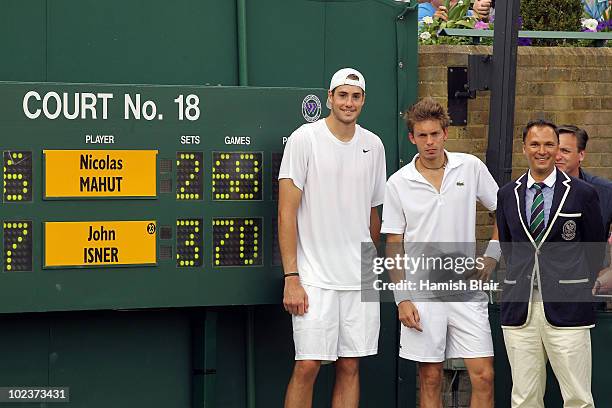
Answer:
x=552 y=15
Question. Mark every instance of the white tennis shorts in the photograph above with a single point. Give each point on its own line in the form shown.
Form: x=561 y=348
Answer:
x=450 y=330
x=338 y=324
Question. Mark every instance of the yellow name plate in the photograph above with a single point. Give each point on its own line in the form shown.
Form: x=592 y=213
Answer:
x=100 y=173
x=91 y=243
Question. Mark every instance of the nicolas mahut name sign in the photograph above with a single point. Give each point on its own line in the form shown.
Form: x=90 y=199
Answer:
x=100 y=173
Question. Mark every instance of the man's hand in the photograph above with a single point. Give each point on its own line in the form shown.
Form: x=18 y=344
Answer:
x=482 y=8
x=485 y=272
x=441 y=13
x=409 y=315
x=603 y=284
x=295 y=298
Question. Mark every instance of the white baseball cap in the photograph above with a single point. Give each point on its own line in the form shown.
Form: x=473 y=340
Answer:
x=341 y=77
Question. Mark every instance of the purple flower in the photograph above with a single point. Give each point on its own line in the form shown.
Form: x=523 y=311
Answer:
x=524 y=41
x=605 y=25
x=481 y=25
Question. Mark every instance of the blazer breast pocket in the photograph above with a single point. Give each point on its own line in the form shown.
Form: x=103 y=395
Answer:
x=569 y=225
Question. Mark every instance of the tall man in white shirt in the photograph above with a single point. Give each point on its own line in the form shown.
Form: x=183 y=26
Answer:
x=433 y=200
x=331 y=179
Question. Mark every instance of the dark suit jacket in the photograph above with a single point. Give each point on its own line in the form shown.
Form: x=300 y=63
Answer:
x=604 y=192
x=567 y=260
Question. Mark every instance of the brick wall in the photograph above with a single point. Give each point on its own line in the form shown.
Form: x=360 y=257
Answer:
x=563 y=84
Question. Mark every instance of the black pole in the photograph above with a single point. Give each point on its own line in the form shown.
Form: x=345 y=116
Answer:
x=503 y=87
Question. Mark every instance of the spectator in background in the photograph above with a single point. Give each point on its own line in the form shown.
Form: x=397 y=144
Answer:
x=572 y=150
x=596 y=8
x=429 y=8
x=483 y=9
x=436 y=9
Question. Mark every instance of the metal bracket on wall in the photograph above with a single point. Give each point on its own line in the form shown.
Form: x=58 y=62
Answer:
x=458 y=94
x=462 y=84
x=480 y=71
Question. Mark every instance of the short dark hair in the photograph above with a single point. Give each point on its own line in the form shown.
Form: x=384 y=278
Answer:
x=582 y=137
x=426 y=109
x=540 y=123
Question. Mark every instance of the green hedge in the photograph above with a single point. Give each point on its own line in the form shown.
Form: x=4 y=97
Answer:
x=551 y=15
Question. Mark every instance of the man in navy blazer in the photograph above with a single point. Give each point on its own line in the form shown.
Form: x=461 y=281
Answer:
x=550 y=230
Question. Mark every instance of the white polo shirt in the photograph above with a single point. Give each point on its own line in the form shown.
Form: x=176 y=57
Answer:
x=426 y=217
x=413 y=207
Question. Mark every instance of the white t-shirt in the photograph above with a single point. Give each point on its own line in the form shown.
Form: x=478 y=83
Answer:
x=413 y=207
x=340 y=183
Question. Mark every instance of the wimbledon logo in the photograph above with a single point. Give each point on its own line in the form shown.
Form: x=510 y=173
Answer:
x=311 y=108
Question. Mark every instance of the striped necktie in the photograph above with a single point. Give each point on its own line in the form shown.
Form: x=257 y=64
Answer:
x=537 y=225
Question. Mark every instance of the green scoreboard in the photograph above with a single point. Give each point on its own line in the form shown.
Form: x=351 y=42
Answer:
x=142 y=196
